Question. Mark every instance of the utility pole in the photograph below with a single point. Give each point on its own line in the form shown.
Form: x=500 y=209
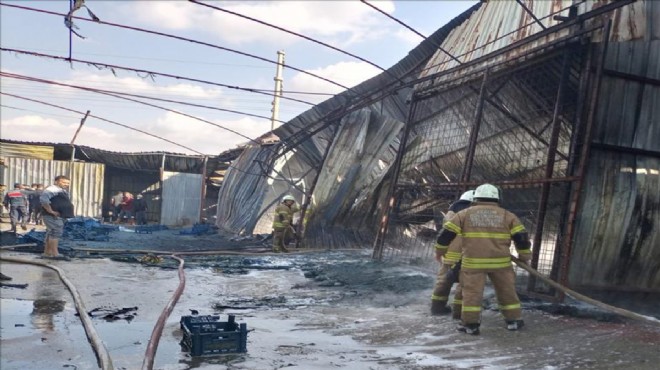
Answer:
x=278 y=90
x=73 y=147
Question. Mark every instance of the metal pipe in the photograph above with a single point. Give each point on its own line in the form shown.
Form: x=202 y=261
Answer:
x=549 y=165
x=474 y=134
x=379 y=242
x=529 y=11
x=584 y=157
x=203 y=192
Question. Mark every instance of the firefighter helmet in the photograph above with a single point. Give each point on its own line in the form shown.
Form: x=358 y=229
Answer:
x=468 y=195
x=288 y=197
x=487 y=191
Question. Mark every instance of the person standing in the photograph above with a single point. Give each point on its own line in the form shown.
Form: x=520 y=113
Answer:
x=57 y=207
x=487 y=231
x=35 y=204
x=115 y=203
x=126 y=208
x=283 y=223
x=17 y=203
x=140 y=210
x=448 y=257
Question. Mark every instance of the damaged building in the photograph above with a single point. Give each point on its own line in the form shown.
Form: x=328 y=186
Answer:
x=553 y=101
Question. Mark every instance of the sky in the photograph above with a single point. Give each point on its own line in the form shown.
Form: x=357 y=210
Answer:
x=348 y=25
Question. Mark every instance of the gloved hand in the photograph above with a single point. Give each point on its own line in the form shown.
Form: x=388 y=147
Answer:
x=453 y=272
x=525 y=257
x=438 y=255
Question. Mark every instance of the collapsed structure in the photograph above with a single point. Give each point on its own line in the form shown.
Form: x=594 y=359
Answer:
x=553 y=101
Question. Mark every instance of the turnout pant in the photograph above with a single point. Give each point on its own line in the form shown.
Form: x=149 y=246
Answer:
x=280 y=237
x=473 y=282
x=442 y=287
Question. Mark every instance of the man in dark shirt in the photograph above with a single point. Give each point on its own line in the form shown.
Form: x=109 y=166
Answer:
x=17 y=202
x=57 y=208
x=140 y=209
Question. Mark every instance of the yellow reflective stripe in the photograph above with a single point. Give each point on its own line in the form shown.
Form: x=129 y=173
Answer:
x=524 y=251
x=439 y=298
x=517 y=229
x=452 y=257
x=510 y=306
x=452 y=227
x=440 y=246
x=457 y=302
x=488 y=259
x=471 y=309
x=453 y=254
x=486 y=263
x=487 y=235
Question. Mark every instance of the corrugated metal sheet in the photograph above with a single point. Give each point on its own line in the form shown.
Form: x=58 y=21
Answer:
x=26 y=151
x=86 y=180
x=181 y=199
x=618 y=233
x=241 y=197
x=501 y=23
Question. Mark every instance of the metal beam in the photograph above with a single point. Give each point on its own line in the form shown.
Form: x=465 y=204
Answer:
x=529 y=11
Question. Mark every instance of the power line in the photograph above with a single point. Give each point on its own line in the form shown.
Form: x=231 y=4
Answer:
x=411 y=29
x=103 y=91
x=289 y=32
x=178 y=38
x=39 y=112
x=112 y=67
x=102 y=119
x=504 y=35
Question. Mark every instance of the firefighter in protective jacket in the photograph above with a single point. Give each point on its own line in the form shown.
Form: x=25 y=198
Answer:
x=448 y=257
x=283 y=223
x=487 y=231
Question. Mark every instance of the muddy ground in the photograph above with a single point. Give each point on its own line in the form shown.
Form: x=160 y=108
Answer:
x=307 y=310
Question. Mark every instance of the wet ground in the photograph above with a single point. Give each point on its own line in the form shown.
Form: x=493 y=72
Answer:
x=314 y=310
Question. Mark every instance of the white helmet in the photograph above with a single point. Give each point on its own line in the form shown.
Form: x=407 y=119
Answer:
x=487 y=191
x=468 y=195
x=288 y=197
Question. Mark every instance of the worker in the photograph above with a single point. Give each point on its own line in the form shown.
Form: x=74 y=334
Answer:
x=16 y=201
x=57 y=206
x=448 y=257
x=283 y=223
x=487 y=231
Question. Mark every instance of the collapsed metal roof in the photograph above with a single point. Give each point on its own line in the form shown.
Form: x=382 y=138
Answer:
x=553 y=100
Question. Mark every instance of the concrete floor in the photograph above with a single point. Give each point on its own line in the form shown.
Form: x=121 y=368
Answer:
x=350 y=313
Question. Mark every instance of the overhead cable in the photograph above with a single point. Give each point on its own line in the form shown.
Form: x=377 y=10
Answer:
x=102 y=119
x=288 y=31
x=103 y=91
x=411 y=29
x=502 y=36
x=112 y=67
x=179 y=38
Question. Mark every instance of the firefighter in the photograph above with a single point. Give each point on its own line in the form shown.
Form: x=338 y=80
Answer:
x=283 y=223
x=487 y=231
x=448 y=257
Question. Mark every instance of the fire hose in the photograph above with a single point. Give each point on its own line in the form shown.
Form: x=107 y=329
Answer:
x=102 y=356
x=583 y=298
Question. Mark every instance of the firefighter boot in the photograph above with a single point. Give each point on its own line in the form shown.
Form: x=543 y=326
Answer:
x=472 y=329
x=4 y=277
x=514 y=325
x=439 y=308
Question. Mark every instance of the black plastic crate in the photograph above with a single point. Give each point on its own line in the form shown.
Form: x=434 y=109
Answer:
x=205 y=335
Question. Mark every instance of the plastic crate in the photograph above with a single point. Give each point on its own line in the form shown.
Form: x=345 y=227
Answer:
x=205 y=335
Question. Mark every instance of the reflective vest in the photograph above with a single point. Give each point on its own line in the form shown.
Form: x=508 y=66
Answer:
x=283 y=216
x=486 y=230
